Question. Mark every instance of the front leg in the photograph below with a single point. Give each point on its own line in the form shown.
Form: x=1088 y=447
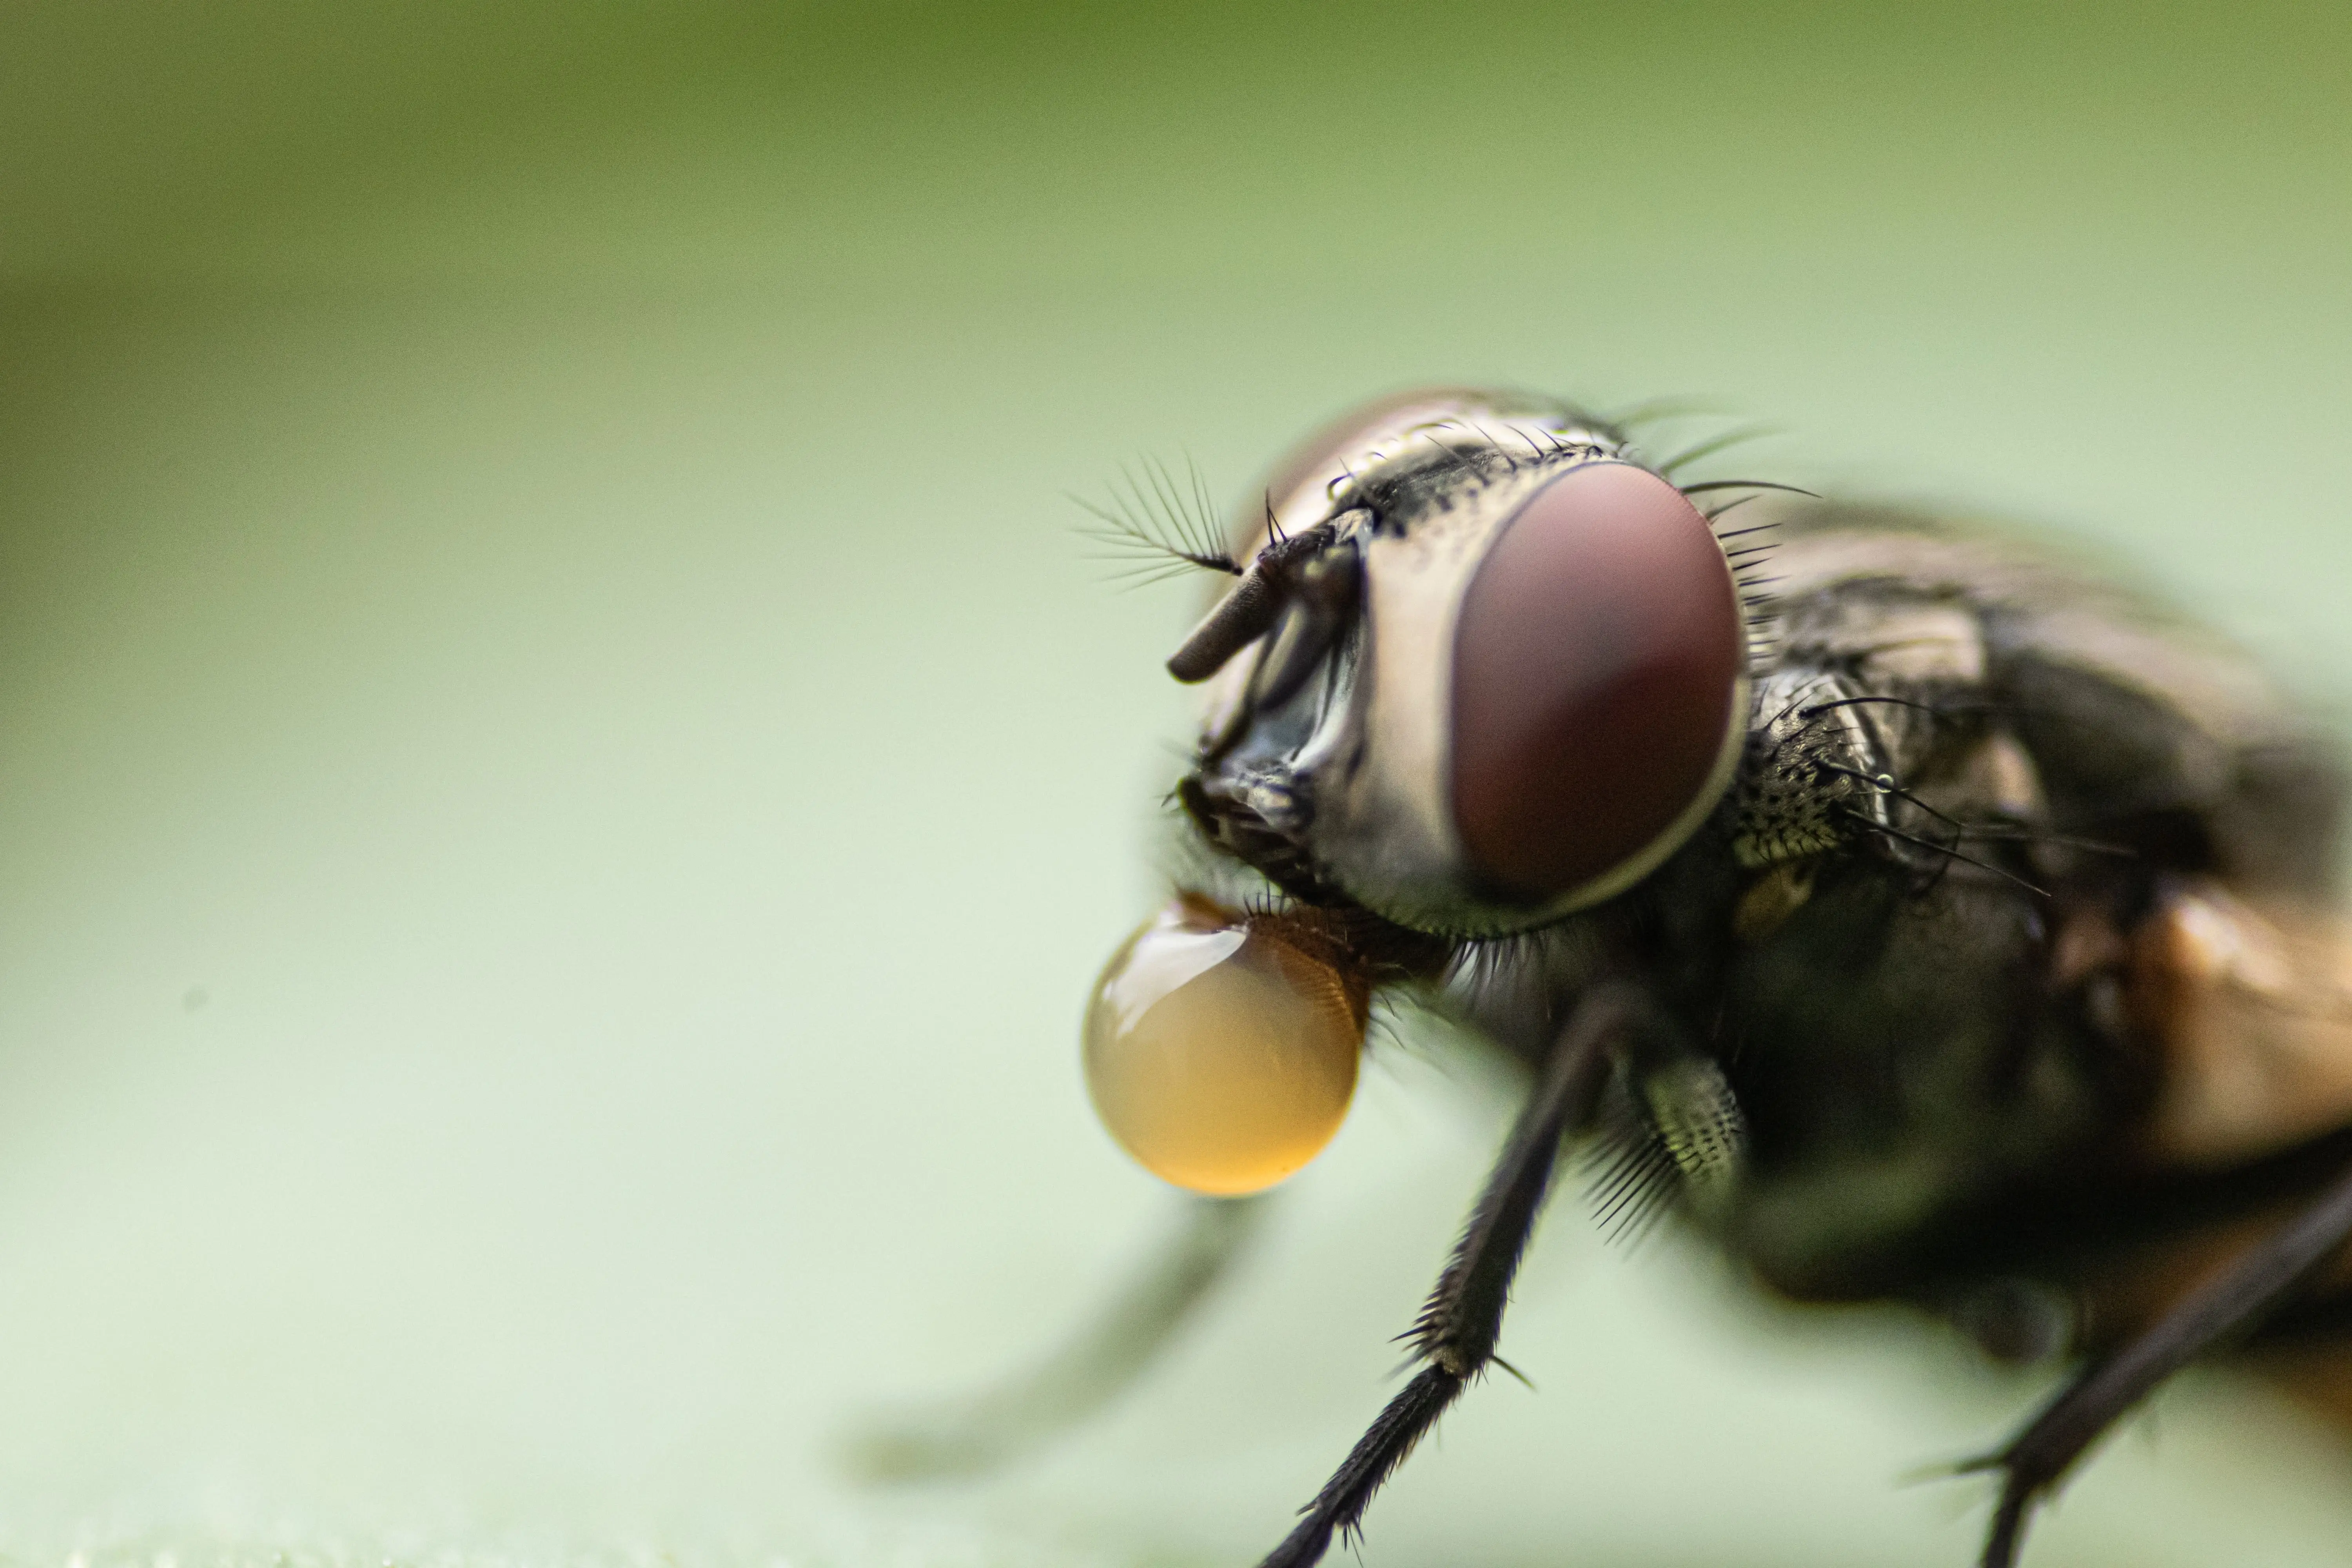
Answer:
x=1454 y=1335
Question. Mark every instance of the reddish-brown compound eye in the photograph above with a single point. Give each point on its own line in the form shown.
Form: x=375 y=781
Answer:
x=1596 y=655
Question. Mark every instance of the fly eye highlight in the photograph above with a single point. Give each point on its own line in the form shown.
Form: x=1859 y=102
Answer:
x=1220 y=1049
x=1599 y=658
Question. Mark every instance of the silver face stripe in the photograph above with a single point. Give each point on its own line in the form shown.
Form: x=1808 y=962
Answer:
x=1387 y=830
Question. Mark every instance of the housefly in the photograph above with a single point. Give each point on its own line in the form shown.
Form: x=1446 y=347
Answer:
x=1912 y=912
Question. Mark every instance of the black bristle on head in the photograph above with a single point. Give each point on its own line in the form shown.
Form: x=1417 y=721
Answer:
x=1748 y=485
x=1737 y=435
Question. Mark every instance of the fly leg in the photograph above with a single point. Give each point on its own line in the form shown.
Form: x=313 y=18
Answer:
x=1455 y=1336
x=2223 y=1305
x=1085 y=1373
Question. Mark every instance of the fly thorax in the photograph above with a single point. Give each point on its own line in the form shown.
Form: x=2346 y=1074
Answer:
x=1811 y=769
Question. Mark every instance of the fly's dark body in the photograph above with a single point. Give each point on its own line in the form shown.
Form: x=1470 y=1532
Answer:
x=1944 y=1066
x=1923 y=918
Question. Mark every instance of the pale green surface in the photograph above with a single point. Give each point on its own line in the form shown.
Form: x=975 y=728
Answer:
x=562 y=778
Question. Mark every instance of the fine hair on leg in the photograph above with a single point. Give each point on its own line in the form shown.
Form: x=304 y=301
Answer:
x=1453 y=1338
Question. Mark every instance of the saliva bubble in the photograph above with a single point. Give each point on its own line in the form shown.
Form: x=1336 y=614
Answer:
x=1219 y=1053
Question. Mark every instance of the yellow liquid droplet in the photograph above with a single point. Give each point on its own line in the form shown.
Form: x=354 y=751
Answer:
x=1219 y=1055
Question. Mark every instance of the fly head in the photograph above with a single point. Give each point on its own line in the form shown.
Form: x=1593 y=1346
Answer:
x=1477 y=669
x=1483 y=670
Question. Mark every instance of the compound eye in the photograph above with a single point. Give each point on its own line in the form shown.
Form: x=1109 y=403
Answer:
x=1218 y=1053
x=1597 y=654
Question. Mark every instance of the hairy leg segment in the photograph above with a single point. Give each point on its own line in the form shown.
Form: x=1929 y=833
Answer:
x=1453 y=1338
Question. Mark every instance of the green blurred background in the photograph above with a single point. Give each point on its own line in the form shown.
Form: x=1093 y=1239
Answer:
x=563 y=774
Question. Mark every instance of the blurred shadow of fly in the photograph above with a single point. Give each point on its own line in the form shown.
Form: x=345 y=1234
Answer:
x=1914 y=913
